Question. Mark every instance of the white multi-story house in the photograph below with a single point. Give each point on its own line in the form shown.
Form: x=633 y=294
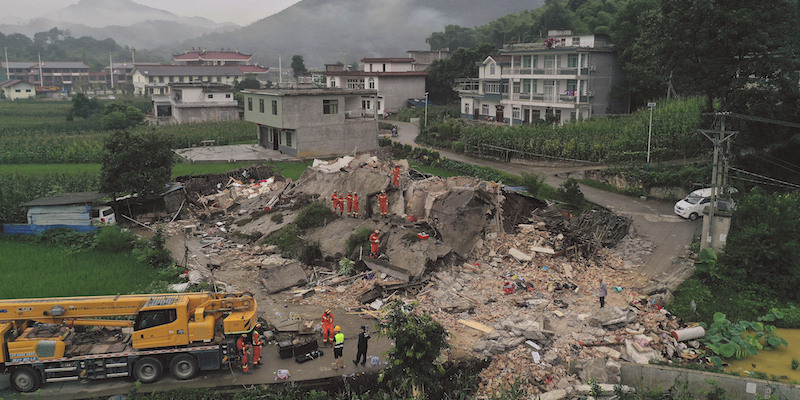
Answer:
x=567 y=76
x=196 y=102
x=393 y=78
x=150 y=79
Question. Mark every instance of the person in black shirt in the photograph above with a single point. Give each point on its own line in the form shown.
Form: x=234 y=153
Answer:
x=363 y=340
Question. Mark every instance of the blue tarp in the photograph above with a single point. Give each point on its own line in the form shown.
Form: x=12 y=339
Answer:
x=419 y=102
x=21 y=229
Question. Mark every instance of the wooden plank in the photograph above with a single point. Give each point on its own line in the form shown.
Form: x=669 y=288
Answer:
x=476 y=325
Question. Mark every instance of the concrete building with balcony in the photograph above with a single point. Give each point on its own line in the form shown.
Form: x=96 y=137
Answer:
x=196 y=102
x=309 y=123
x=67 y=75
x=151 y=79
x=393 y=78
x=566 y=76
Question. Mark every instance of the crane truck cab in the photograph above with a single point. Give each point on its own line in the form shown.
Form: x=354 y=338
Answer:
x=51 y=340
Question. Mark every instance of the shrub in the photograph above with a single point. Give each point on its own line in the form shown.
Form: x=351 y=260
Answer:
x=570 y=193
x=153 y=251
x=532 y=182
x=277 y=218
x=286 y=239
x=795 y=363
x=309 y=253
x=114 y=240
x=314 y=216
x=66 y=237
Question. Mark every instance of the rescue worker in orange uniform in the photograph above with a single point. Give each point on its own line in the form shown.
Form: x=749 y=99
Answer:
x=339 y=205
x=257 y=343
x=396 y=176
x=242 y=347
x=349 y=199
x=327 y=327
x=383 y=201
x=374 y=242
x=354 y=214
x=335 y=200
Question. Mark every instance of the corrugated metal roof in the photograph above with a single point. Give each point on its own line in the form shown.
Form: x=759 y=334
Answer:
x=10 y=82
x=65 y=199
x=212 y=55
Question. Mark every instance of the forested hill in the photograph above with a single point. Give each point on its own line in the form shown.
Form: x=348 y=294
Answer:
x=327 y=31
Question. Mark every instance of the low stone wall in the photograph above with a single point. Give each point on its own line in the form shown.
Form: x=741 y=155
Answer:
x=738 y=388
x=624 y=182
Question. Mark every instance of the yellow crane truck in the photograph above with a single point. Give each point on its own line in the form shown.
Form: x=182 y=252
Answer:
x=96 y=337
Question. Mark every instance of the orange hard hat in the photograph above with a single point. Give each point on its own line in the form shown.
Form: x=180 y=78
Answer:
x=337 y=328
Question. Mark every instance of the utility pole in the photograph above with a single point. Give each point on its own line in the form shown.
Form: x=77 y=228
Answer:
x=719 y=171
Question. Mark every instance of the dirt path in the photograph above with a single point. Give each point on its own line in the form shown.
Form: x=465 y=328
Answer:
x=652 y=219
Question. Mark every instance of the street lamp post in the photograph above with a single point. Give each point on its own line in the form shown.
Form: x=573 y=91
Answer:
x=650 y=132
x=426 y=109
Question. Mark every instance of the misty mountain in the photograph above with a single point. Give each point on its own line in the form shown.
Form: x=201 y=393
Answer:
x=327 y=31
x=125 y=21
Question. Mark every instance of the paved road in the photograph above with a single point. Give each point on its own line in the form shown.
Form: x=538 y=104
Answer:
x=652 y=219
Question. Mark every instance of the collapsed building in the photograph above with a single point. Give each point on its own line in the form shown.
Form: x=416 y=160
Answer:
x=479 y=237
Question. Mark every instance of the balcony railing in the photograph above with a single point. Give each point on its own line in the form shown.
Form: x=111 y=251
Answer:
x=548 y=71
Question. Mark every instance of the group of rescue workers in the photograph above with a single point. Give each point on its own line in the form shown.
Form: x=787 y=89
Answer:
x=244 y=344
x=338 y=200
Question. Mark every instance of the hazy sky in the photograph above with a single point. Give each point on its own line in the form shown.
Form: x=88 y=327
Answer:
x=241 y=12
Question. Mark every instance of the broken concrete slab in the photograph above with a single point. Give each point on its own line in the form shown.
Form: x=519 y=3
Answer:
x=595 y=369
x=281 y=277
x=609 y=316
x=379 y=265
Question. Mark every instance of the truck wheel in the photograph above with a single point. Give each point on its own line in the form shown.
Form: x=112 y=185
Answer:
x=693 y=217
x=25 y=380
x=184 y=366
x=147 y=370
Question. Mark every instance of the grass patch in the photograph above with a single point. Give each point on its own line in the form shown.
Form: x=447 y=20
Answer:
x=437 y=171
x=42 y=270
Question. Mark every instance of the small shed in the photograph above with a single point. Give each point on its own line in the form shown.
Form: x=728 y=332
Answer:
x=67 y=209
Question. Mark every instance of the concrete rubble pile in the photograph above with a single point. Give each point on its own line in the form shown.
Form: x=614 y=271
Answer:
x=547 y=330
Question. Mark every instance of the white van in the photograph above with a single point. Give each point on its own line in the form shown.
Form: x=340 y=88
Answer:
x=102 y=215
x=692 y=206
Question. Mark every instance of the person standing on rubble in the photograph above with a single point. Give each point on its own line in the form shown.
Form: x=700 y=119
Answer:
x=335 y=200
x=327 y=327
x=349 y=199
x=354 y=214
x=383 y=201
x=374 y=243
x=396 y=176
x=602 y=292
x=339 y=205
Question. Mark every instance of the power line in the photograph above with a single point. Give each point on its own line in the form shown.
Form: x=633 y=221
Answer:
x=788 y=184
x=774 y=160
x=759 y=182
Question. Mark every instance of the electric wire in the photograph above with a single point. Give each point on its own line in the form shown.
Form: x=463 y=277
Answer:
x=767 y=178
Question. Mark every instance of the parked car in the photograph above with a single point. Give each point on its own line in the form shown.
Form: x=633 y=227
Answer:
x=692 y=206
x=103 y=215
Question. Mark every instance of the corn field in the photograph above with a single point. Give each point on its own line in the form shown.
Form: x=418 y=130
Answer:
x=37 y=132
x=623 y=138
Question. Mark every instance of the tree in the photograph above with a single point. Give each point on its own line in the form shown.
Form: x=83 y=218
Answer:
x=442 y=74
x=139 y=163
x=453 y=37
x=118 y=116
x=83 y=106
x=249 y=82
x=763 y=245
x=298 y=65
x=418 y=342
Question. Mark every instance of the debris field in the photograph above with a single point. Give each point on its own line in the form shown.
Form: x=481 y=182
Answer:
x=512 y=278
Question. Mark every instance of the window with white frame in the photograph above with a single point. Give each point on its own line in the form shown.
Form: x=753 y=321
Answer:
x=491 y=69
x=526 y=61
x=466 y=108
x=515 y=113
x=515 y=87
x=330 y=106
x=485 y=109
x=355 y=83
x=372 y=83
x=576 y=41
x=491 y=87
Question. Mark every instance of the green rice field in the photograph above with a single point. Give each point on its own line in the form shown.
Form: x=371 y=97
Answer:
x=42 y=270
